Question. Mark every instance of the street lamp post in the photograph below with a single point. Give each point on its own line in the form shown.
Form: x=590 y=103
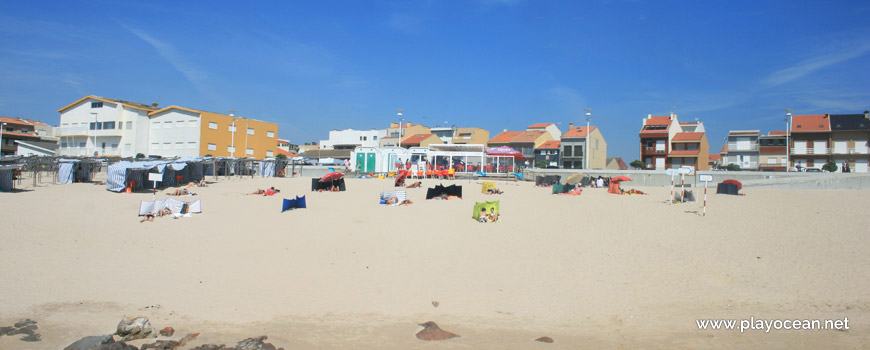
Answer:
x=588 y=120
x=787 y=132
x=401 y=121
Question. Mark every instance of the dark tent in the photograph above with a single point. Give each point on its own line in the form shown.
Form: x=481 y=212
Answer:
x=316 y=185
x=727 y=189
x=439 y=190
x=559 y=188
x=547 y=180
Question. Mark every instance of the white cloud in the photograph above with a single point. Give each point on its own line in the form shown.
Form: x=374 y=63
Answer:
x=815 y=63
x=196 y=76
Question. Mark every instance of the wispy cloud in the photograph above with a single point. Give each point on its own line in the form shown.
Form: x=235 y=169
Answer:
x=572 y=99
x=813 y=64
x=194 y=75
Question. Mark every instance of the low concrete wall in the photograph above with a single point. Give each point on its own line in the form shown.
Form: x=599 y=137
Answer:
x=759 y=179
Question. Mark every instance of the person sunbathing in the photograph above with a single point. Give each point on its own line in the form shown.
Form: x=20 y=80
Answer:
x=200 y=183
x=632 y=191
x=406 y=202
x=267 y=192
x=180 y=192
x=415 y=185
x=494 y=191
x=151 y=216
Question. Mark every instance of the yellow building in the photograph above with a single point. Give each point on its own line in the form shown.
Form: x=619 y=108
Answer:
x=471 y=136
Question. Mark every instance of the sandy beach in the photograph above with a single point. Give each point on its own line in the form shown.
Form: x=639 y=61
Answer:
x=590 y=271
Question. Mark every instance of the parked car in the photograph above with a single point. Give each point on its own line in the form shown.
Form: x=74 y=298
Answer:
x=813 y=170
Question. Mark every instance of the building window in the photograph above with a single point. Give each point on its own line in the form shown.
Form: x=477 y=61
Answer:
x=129 y=125
x=249 y=151
x=96 y=126
x=179 y=145
x=250 y=131
x=231 y=149
x=155 y=125
x=81 y=145
x=270 y=134
x=191 y=145
x=191 y=123
x=108 y=125
x=63 y=145
x=269 y=153
x=167 y=124
x=179 y=124
x=212 y=125
x=212 y=147
x=114 y=146
x=231 y=128
x=128 y=147
x=375 y=138
x=155 y=145
x=567 y=152
x=167 y=145
x=96 y=105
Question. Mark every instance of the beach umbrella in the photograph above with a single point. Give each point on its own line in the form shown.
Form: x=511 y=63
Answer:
x=331 y=177
x=574 y=179
x=734 y=182
x=620 y=178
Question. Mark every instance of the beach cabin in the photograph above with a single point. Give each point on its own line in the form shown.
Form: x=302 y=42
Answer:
x=363 y=159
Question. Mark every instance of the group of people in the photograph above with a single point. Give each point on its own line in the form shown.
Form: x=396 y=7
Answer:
x=492 y=216
x=271 y=191
x=333 y=188
x=394 y=200
x=159 y=213
x=599 y=182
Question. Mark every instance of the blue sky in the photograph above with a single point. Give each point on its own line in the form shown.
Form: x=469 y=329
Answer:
x=314 y=66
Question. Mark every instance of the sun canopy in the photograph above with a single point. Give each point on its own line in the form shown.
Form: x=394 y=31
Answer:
x=504 y=151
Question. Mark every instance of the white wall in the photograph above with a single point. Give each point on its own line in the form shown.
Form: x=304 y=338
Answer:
x=352 y=137
x=174 y=133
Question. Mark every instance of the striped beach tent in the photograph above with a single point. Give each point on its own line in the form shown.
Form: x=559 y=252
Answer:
x=7 y=174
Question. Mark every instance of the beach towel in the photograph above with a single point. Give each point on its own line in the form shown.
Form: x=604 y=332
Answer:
x=487 y=186
x=727 y=188
x=146 y=207
x=399 y=195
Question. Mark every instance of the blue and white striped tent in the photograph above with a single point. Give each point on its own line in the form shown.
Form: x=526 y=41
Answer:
x=6 y=177
x=73 y=170
x=122 y=172
x=267 y=167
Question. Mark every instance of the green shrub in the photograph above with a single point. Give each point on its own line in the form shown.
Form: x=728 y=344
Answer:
x=637 y=164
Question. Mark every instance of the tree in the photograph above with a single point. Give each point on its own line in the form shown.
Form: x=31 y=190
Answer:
x=281 y=156
x=541 y=164
x=830 y=167
x=140 y=155
x=637 y=164
x=732 y=167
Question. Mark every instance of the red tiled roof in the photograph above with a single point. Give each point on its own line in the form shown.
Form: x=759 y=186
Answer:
x=20 y=121
x=659 y=120
x=715 y=157
x=288 y=154
x=811 y=122
x=579 y=131
x=778 y=132
x=528 y=136
x=415 y=139
x=539 y=125
x=685 y=153
x=550 y=144
x=505 y=137
x=688 y=136
x=19 y=134
x=724 y=149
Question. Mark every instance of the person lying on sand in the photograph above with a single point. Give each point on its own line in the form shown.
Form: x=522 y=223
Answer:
x=180 y=192
x=267 y=192
x=393 y=200
x=151 y=216
x=414 y=185
x=632 y=192
x=494 y=191
x=200 y=183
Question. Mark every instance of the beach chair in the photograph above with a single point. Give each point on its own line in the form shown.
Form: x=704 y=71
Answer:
x=451 y=173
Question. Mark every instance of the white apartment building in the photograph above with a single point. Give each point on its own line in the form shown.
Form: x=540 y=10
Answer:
x=174 y=132
x=103 y=126
x=352 y=138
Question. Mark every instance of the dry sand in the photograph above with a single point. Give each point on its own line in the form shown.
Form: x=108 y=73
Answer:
x=591 y=271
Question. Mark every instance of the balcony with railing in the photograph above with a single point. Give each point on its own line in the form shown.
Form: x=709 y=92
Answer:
x=733 y=147
x=811 y=151
x=849 y=150
x=86 y=131
x=653 y=150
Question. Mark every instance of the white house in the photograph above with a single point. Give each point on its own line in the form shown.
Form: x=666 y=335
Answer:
x=352 y=138
x=103 y=126
x=174 y=132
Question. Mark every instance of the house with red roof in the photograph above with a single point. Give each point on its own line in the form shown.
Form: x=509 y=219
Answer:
x=850 y=141
x=575 y=152
x=17 y=130
x=666 y=143
x=548 y=127
x=523 y=141
x=809 y=141
x=421 y=140
x=547 y=154
x=772 y=150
